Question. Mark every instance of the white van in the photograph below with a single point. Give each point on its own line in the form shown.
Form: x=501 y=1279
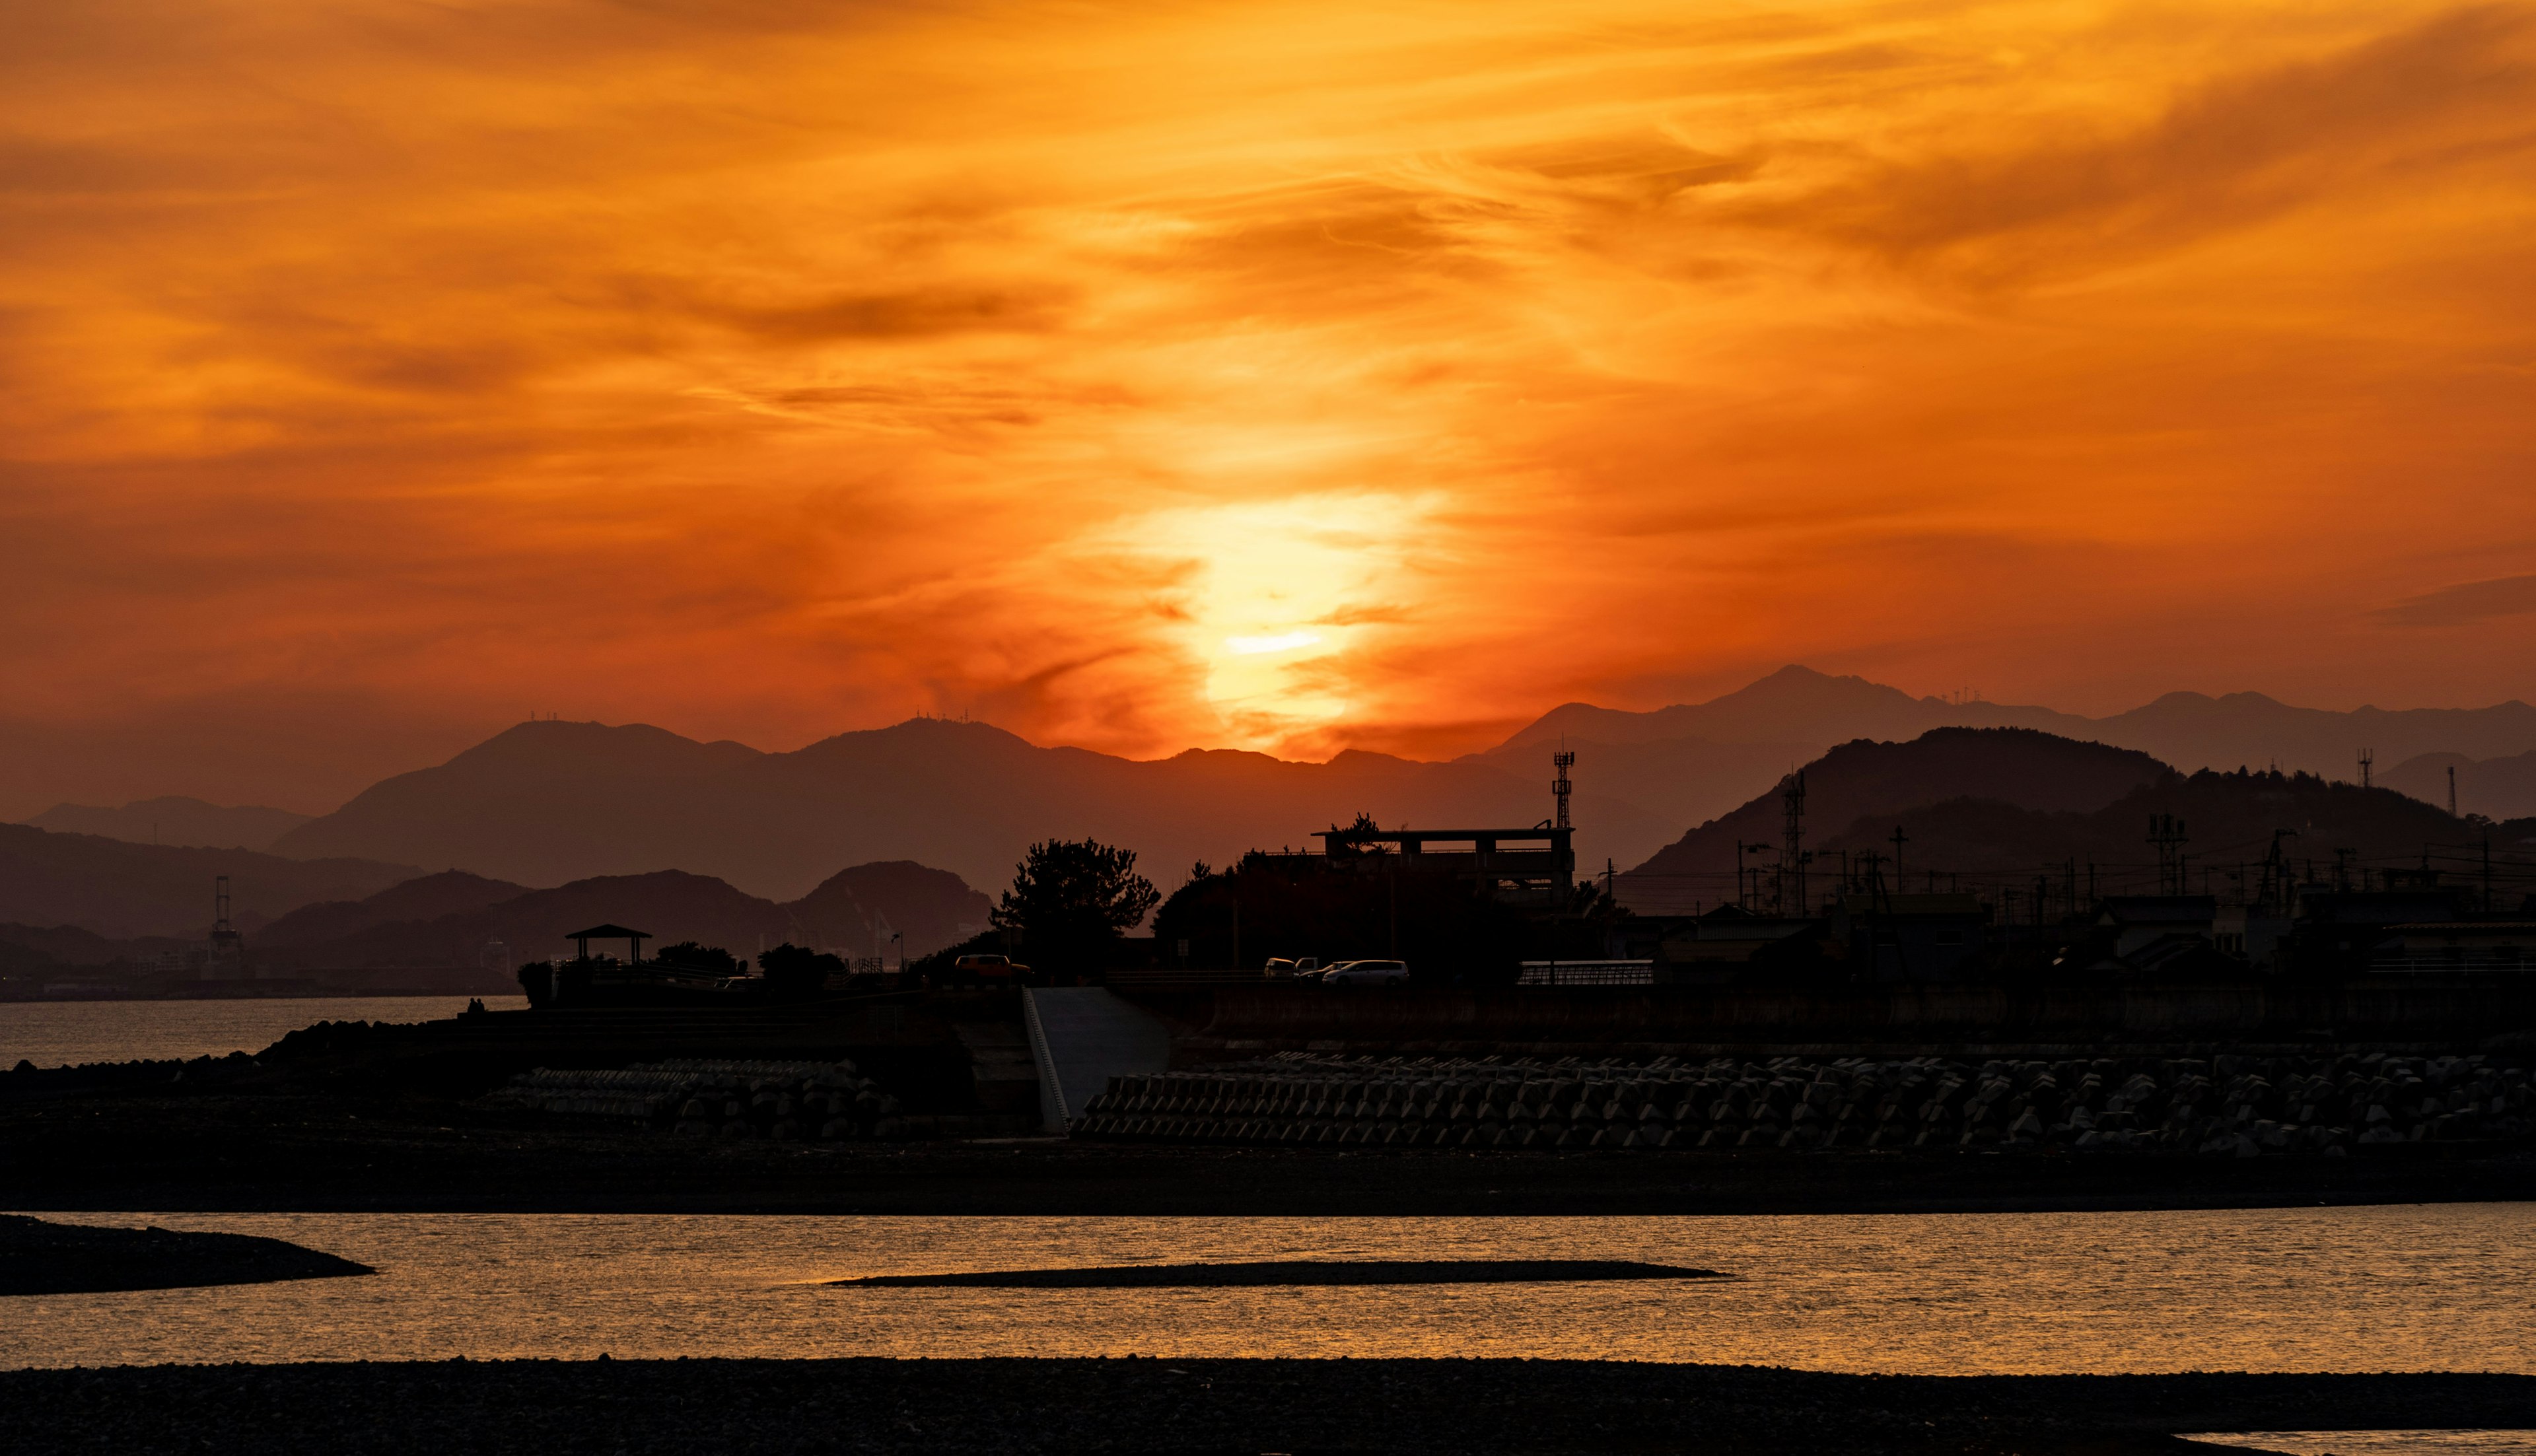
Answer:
x=1366 y=972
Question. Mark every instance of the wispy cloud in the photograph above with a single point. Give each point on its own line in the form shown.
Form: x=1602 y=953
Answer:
x=770 y=369
x=2464 y=604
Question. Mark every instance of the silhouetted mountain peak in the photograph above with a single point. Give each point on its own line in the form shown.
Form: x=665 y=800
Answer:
x=602 y=750
x=916 y=736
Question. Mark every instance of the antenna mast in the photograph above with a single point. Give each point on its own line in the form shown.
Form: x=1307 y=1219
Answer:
x=2367 y=758
x=1563 y=760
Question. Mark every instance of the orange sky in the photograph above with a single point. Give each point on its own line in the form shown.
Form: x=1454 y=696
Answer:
x=1273 y=376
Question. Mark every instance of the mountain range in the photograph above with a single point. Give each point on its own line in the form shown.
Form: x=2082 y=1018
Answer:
x=175 y=820
x=1692 y=761
x=547 y=801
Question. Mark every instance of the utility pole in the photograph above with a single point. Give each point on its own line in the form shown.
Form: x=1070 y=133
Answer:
x=1899 y=840
x=1792 y=855
x=2452 y=790
x=1742 y=896
x=2367 y=758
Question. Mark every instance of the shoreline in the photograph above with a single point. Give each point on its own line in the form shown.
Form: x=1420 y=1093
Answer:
x=292 y=1154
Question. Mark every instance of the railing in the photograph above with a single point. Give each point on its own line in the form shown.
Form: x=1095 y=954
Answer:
x=1587 y=973
x=1175 y=976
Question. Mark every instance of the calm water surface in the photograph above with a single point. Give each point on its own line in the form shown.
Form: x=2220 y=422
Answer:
x=59 y=1033
x=2435 y=1287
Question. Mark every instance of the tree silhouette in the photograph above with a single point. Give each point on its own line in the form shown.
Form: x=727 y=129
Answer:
x=1072 y=899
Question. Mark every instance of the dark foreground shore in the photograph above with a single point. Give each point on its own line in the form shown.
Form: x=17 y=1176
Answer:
x=756 y=1407
x=288 y=1153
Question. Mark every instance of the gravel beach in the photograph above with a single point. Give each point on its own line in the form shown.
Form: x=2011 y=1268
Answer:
x=750 y=1408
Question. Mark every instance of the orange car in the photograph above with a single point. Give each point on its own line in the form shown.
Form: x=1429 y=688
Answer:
x=989 y=967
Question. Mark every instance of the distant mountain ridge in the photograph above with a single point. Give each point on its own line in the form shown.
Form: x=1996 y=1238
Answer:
x=548 y=802
x=175 y=820
x=1692 y=762
x=118 y=889
x=2495 y=788
x=2190 y=731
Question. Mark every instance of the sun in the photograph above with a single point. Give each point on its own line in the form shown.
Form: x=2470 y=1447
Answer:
x=1278 y=599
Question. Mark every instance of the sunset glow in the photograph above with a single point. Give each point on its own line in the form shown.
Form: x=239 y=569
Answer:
x=1275 y=377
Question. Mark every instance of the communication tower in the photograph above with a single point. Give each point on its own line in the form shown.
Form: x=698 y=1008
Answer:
x=2367 y=758
x=228 y=947
x=2166 y=835
x=1562 y=760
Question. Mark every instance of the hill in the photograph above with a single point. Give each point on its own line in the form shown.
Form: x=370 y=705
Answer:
x=1866 y=781
x=1690 y=762
x=2495 y=788
x=123 y=890
x=546 y=802
x=175 y=820
x=444 y=920
x=447 y=919
x=1995 y=809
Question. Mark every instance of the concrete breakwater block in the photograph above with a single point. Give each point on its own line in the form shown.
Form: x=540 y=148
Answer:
x=2228 y=1105
x=39 y=1257
x=1291 y=1273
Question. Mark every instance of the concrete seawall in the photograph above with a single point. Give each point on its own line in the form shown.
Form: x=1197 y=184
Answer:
x=2417 y=1013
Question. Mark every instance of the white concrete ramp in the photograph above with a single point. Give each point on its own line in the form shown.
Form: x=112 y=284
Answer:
x=1082 y=1036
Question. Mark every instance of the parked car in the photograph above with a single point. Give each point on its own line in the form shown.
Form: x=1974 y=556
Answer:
x=989 y=969
x=1282 y=968
x=1366 y=972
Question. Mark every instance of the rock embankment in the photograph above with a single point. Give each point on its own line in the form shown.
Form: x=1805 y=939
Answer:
x=39 y=1257
x=2229 y=1106
x=786 y=1100
x=1291 y=1273
x=1546 y=1408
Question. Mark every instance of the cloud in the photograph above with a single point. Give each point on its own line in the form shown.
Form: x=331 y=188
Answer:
x=766 y=372
x=2454 y=89
x=2463 y=605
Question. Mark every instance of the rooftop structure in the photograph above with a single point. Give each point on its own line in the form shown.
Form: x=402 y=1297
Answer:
x=633 y=939
x=1522 y=865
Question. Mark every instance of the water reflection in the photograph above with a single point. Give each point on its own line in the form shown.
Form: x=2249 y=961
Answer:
x=2354 y=1288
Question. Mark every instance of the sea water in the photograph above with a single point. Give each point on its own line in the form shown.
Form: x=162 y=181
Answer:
x=60 y=1034
x=2405 y=1287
